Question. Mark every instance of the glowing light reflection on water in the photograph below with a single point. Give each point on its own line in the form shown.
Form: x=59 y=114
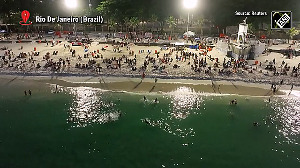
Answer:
x=184 y=101
x=287 y=115
x=89 y=107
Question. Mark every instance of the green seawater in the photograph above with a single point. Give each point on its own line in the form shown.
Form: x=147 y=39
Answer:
x=83 y=127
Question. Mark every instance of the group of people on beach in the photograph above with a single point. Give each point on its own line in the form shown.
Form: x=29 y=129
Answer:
x=171 y=61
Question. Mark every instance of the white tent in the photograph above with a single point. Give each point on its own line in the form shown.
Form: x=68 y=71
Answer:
x=177 y=44
x=189 y=34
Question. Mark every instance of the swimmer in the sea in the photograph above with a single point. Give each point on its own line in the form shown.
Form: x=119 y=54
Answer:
x=147 y=121
x=255 y=124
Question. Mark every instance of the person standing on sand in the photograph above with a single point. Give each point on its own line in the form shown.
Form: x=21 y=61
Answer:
x=56 y=88
x=155 y=80
x=274 y=89
x=143 y=75
x=272 y=86
x=291 y=89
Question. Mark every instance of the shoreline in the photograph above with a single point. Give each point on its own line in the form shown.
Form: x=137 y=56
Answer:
x=179 y=77
x=133 y=84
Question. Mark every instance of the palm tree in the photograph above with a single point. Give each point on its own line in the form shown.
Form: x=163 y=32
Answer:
x=291 y=33
x=153 y=19
x=269 y=30
x=112 y=25
x=171 y=22
x=4 y=18
x=57 y=27
x=10 y=18
x=126 y=23
x=91 y=12
x=251 y=28
x=134 y=21
x=200 y=23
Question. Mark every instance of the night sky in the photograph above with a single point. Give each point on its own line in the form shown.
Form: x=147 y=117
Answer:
x=220 y=11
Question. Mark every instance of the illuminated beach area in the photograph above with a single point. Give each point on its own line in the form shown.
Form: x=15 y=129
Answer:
x=149 y=84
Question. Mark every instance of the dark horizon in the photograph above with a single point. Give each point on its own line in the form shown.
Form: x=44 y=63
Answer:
x=221 y=12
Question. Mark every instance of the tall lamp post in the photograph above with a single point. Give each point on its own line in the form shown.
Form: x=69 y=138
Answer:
x=189 y=4
x=90 y=5
x=72 y=4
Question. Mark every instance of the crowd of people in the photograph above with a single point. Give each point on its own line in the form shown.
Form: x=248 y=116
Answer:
x=172 y=61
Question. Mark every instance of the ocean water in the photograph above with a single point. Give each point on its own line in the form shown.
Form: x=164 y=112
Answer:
x=82 y=127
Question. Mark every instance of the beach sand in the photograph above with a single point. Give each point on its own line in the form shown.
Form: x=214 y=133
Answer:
x=125 y=79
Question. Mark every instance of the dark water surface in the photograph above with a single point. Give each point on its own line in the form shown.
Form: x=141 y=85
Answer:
x=86 y=127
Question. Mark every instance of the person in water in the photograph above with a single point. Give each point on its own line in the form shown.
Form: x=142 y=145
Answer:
x=156 y=100
x=120 y=113
x=25 y=92
x=255 y=124
x=233 y=101
x=29 y=91
x=147 y=121
x=145 y=99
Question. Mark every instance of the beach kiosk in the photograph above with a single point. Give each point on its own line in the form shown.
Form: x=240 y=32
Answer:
x=178 y=45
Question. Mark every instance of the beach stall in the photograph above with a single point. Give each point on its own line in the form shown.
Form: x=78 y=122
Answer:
x=178 y=45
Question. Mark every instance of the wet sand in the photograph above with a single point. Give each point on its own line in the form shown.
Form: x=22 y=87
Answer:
x=149 y=86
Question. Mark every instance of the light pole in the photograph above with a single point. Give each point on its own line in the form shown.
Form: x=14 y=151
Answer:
x=189 y=4
x=72 y=4
x=90 y=5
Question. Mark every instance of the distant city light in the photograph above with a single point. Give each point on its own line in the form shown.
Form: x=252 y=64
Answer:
x=71 y=3
x=189 y=3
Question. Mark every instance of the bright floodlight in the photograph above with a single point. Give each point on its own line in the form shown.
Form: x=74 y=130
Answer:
x=71 y=3
x=190 y=3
